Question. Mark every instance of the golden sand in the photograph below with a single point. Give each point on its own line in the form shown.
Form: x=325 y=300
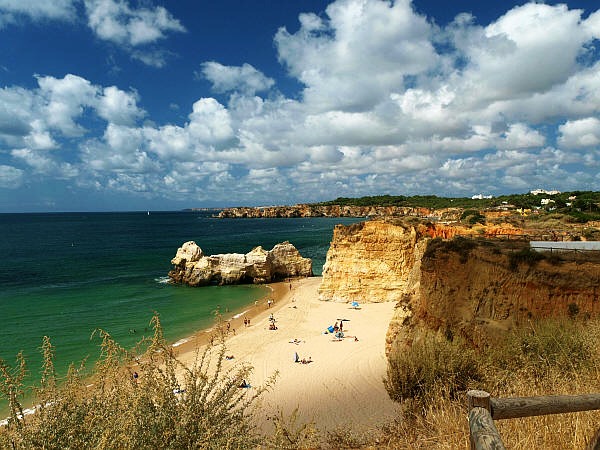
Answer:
x=342 y=386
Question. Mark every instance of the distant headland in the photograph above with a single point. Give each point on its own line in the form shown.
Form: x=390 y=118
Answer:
x=570 y=207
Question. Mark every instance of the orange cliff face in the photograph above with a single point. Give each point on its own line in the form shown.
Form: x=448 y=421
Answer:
x=471 y=286
x=486 y=289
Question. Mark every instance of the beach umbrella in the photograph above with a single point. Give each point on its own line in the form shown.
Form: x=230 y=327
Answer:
x=355 y=304
x=344 y=320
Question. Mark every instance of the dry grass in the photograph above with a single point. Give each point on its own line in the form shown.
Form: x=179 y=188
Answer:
x=429 y=380
x=547 y=358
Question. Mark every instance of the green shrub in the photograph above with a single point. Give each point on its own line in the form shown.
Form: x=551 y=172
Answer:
x=429 y=363
x=459 y=244
x=524 y=256
x=572 y=310
x=471 y=217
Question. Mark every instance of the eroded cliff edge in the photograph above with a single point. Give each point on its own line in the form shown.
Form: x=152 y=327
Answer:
x=192 y=267
x=474 y=282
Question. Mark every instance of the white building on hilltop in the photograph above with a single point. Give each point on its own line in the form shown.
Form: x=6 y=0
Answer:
x=544 y=191
x=480 y=197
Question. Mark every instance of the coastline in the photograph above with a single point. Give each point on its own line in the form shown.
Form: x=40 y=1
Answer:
x=341 y=387
x=254 y=312
x=187 y=344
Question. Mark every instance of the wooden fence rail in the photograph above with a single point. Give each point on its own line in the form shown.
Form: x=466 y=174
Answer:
x=483 y=410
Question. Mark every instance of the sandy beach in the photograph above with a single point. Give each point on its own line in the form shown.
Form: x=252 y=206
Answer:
x=342 y=385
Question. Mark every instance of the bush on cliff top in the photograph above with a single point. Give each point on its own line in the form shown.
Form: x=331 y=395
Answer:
x=459 y=244
x=525 y=256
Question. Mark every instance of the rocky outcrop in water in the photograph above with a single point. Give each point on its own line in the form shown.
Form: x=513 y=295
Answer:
x=193 y=268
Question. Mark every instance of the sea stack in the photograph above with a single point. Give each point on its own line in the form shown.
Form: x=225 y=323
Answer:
x=192 y=267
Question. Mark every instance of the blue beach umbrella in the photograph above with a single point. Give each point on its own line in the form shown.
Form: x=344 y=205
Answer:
x=355 y=304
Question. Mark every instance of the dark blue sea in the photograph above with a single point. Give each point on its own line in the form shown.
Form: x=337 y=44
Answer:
x=64 y=275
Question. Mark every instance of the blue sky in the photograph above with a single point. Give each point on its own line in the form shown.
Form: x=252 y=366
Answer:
x=135 y=105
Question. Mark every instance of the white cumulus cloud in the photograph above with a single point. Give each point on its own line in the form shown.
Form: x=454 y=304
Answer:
x=580 y=133
x=245 y=78
x=389 y=102
x=116 y=21
x=37 y=9
x=10 y=177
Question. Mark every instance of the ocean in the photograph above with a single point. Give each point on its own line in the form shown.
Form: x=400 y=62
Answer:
x=63 y=275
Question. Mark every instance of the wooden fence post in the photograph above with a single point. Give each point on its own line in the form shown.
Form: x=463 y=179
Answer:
x=479 y=399
x=483 y=434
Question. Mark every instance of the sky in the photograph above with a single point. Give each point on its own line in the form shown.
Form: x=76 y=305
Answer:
x=112 y=105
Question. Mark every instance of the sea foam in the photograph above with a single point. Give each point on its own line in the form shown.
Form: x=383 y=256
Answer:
x=180 y=342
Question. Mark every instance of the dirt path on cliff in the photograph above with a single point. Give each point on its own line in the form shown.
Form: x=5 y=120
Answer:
x=343 y=385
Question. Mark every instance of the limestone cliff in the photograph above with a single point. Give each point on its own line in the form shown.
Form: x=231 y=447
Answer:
x=379 y=260
x=476 y=285
x=369 y=262
x=192 y=267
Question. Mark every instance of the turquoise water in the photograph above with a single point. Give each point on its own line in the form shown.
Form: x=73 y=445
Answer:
x=64 y=275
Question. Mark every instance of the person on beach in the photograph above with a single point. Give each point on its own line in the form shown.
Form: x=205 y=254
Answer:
x=269 y=303
x=228 y=327
x=296 y=357
x=341 y=325
x=135 y=376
